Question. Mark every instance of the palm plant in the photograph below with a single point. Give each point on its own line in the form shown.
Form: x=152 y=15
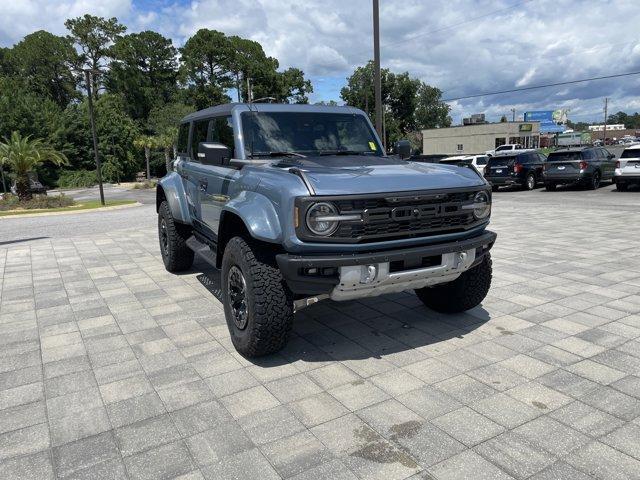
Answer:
x=22 y=155
x=146 y=142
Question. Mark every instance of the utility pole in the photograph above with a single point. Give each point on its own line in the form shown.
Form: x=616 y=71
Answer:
x=604 y=131
x=87 y=76
x=513 y=111
x=377 y=86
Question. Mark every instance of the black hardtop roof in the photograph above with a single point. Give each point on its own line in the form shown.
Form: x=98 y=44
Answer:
x=229 y=108
x=573 y=149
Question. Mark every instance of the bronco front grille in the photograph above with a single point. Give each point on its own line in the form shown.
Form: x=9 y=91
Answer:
x=396 y=216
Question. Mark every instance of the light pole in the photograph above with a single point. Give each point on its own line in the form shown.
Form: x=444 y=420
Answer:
x=377 y=86
x=87 y=75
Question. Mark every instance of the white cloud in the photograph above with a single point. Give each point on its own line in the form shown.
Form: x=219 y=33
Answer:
x=443 y=43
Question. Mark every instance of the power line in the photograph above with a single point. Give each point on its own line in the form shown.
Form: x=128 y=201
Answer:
x=448 y=27
x=557 y=84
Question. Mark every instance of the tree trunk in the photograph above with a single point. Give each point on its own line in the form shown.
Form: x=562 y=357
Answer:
x=4 y=182
x=147 y=157
x=167 y=158
x=22 y=188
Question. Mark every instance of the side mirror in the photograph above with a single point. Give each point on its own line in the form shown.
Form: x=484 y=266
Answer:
x=211 y=153
x=403 y=149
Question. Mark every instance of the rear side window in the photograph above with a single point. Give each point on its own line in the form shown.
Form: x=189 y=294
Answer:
x=200 y=130
x=588 y=154
x=183 y=138
x=481 y=161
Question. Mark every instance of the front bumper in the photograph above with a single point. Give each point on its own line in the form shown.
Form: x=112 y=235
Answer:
x=339 y=276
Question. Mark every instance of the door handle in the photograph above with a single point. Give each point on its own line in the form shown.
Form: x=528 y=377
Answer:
x=203 y=186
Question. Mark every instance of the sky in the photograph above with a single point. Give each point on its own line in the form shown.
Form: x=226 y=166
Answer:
x=463 y=47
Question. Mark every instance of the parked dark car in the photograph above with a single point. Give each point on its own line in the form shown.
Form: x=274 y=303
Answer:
x=585 y=166
x=521 y=169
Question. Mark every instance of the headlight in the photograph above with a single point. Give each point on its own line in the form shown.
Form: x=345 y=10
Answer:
x=481 y=205
x=321 y=219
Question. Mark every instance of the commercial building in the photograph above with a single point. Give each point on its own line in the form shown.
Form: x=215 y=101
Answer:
x=610 y=128
x=472 y=139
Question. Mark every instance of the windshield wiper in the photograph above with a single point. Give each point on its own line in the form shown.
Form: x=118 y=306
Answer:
x=341 y=152
x=277 y=154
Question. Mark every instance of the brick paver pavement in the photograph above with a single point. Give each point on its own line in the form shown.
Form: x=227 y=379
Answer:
x=110 y=367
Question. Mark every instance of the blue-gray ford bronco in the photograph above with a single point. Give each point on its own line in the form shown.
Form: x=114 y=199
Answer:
x=298 y=203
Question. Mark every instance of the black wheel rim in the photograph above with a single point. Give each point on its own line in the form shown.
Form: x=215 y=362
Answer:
x=237 y=288
x=164 y=237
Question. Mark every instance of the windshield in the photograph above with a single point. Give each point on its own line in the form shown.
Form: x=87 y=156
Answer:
x=564 y=156
x=307 y=133
x=631 y=153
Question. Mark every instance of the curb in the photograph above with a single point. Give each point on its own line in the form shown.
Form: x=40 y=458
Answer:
x=44 y=214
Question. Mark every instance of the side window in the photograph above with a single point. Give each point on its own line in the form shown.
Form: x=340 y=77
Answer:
x=588 y=154
x=541 y=158
x=183 y=139
x=200 y=130
x=222 y=132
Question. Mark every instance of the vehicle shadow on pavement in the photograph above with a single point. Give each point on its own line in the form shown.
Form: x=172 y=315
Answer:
x=393 y=327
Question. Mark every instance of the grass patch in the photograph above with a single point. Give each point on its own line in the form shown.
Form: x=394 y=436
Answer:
x=54 y=206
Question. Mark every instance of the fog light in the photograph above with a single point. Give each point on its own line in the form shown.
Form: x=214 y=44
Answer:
x=368 y=274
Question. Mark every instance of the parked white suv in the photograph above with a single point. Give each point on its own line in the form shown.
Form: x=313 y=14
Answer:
x=508 y=148
x=478 y=161
x=628 y=168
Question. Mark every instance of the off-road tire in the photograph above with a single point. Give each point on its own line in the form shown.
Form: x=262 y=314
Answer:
x=528 y=184
x=176 y=256
x=550 y=187
x=269 y=302
x=465 y=292
x=621 y=187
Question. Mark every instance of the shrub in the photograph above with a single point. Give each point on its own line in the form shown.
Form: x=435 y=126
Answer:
x=77 y=179
x=11 y=202
x=146 y=184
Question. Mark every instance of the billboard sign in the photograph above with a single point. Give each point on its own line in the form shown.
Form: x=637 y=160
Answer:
x=551 y=121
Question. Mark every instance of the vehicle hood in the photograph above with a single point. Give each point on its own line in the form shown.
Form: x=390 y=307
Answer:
x=352 y=175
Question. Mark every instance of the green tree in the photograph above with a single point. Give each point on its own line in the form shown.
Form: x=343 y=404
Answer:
x=44 y=63
x=22 y=155
x=163 y=123
x=205 y=68
x=94 y=36
x=409 y=104
x=146 y=143
x=143 y=71
x=503 y=119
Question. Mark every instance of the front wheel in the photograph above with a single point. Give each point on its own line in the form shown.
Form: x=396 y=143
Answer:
x=173 y=236
x=258 y=306
x=464 y=293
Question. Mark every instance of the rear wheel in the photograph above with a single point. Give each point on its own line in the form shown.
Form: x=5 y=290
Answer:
x=530 y=182
x=465 y=292
x=595 y=181
x=173 y=236
x=258 y=306
x=550 y=186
